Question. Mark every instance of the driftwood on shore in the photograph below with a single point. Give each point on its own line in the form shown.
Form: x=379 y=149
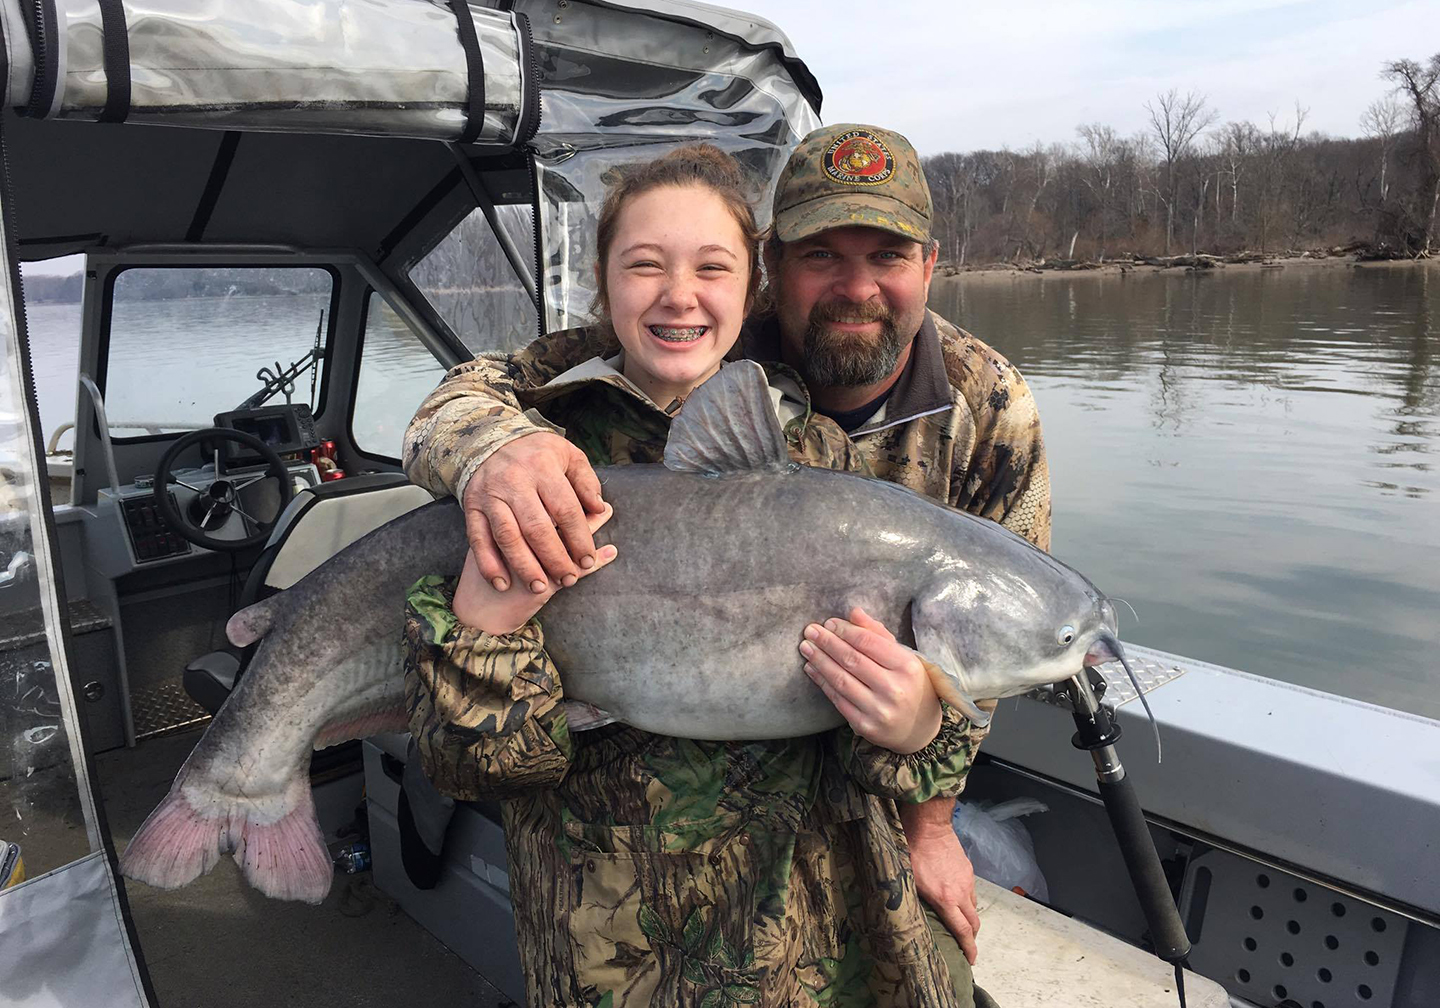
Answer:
x=1358 y=251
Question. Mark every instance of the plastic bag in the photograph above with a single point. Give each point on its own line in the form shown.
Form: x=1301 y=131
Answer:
x=999 y=845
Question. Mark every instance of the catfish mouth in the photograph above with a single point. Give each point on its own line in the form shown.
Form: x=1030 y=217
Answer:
x=1102 y=650
x=1105 y=648
x=678 y=334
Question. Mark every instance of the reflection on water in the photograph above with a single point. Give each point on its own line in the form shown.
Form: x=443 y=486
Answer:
x=1247 y=457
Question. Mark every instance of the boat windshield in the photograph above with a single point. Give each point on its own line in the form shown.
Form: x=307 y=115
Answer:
x=183 y=340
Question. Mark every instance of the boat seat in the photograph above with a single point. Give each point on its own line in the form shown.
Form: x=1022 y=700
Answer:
x=319 y=522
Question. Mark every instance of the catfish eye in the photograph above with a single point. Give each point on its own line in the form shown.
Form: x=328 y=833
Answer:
x=1066 y=634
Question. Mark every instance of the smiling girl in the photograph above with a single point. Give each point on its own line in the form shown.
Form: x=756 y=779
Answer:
x=648 y=870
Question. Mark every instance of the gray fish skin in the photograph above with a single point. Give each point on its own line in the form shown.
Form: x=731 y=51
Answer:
x=692 y=631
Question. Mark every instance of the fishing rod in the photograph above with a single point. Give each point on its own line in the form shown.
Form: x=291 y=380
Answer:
x=280 y=379
x=1097 y=732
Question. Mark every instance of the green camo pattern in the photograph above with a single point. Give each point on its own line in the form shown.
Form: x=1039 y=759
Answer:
x=649 y=870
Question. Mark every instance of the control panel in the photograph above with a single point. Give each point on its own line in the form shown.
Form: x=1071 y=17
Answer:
x=150 y=537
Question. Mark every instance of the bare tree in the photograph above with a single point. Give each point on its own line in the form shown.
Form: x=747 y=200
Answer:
x=1276 y=151
x=1102 y=157
x=1419 y=87
x=1383 y=120
x=1238 y=142
x=1176 y=122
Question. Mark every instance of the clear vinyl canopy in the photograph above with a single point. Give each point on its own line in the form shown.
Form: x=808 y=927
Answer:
x=622 y=86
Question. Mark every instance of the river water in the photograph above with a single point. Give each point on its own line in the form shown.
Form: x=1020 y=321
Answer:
x=1247 y=457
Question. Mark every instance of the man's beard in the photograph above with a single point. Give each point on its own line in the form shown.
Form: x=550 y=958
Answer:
x=847 y=359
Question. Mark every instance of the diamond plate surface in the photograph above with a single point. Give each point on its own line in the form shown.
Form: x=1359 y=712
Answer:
x=1151 y=675
x=164 y=708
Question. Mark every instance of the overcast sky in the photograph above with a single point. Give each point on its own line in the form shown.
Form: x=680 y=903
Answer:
x=959 y=75
x=956 y=75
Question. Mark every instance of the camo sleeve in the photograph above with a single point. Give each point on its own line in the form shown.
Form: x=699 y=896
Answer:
x=485 y=710
x=1004 y=477
x=476 y=408
x=937 y=771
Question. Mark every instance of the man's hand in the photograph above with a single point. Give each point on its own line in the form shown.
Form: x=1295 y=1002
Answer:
x=944 y=877
x=877 y=684
x=526 y=511
x=480 y=605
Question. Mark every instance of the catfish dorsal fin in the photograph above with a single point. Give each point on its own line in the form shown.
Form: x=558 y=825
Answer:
x=728 y=426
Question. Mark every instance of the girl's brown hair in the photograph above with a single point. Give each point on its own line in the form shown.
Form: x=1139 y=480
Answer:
x=698 y=164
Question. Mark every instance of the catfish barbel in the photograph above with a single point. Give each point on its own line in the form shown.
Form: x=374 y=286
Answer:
x=729 y=550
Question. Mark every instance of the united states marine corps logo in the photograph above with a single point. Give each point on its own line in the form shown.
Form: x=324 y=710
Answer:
x=858 y=158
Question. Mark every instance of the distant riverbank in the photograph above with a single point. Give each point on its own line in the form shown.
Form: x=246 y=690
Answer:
x=1121 y=267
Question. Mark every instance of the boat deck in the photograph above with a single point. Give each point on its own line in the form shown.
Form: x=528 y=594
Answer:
x=219 y=942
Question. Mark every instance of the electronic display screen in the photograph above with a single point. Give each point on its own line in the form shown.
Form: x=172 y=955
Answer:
x=277 y=429
x=286 y=429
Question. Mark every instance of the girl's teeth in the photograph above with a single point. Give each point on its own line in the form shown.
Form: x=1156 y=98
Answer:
x=678 y=334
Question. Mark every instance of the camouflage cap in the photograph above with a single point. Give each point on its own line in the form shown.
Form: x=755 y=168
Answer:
x=848 y=175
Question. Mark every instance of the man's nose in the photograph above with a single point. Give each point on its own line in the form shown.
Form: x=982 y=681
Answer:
x=854 y=282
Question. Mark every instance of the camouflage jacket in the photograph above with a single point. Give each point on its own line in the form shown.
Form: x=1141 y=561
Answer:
x=648 y=870
x=960 y=425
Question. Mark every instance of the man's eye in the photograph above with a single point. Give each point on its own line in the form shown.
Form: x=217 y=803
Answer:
x=819 y=254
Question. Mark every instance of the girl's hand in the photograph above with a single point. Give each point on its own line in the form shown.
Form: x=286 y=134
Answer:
x=479 y=605
x=876 y=683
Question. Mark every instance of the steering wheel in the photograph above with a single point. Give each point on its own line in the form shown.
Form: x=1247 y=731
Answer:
x=215 y=503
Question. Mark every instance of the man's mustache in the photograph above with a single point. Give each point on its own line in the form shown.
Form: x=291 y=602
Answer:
x=847 y=312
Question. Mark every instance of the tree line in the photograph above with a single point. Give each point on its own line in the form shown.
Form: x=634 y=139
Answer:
x=162 y=283
x=1190 y=183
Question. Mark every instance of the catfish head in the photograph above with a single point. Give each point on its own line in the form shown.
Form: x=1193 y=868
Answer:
x=996 y=630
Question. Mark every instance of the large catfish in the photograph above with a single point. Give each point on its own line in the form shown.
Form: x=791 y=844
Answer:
x=727 y=551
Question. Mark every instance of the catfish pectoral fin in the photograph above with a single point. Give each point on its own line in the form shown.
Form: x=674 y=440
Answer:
x=582 y=716
x=251 y=623
x=947 y=687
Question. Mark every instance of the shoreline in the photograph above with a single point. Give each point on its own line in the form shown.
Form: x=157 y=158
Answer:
x=1118 y=268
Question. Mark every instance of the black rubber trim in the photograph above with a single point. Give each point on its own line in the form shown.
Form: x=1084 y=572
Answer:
x=43 y=30
x=475 y=70
x=92 y=237
x=539 y=238
x=526 y=129
x=117 y=61
x=214 y=185
x=417 y=213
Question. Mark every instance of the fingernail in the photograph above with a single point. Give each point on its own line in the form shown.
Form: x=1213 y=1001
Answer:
x=569 y=580
x=500 y=584
x=810 y=670
x=807 y=649
x=537 y=586
x=832 y=625
x=812 y=631
x=587 y=562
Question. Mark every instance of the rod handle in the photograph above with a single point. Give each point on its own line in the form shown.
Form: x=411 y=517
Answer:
x=1137 y=846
